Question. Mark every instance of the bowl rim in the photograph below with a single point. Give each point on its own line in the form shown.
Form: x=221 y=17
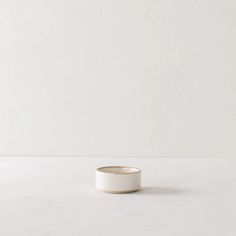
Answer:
x=136 y=170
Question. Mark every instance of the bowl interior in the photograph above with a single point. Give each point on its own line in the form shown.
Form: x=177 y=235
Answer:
x=118 y=169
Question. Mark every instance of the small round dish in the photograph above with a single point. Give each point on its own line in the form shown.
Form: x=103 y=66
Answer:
x=118 y=179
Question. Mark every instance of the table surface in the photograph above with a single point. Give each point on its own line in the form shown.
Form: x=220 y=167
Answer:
x=57 y=197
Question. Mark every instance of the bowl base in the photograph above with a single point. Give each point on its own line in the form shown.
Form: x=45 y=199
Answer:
x=119 y=191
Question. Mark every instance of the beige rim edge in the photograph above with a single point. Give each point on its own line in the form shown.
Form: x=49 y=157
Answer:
x=103 y=167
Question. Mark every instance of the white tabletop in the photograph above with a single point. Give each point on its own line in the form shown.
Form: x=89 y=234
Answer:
x=57 y=197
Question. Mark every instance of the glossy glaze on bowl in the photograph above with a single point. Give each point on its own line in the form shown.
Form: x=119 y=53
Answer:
x=118 y=179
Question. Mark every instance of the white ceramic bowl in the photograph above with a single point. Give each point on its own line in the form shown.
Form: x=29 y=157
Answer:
x=118 y=179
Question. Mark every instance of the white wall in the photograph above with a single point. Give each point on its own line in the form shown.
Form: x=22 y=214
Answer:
x=118 y=77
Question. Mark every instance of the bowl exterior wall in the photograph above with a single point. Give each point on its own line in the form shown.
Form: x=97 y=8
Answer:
x=118 y=183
